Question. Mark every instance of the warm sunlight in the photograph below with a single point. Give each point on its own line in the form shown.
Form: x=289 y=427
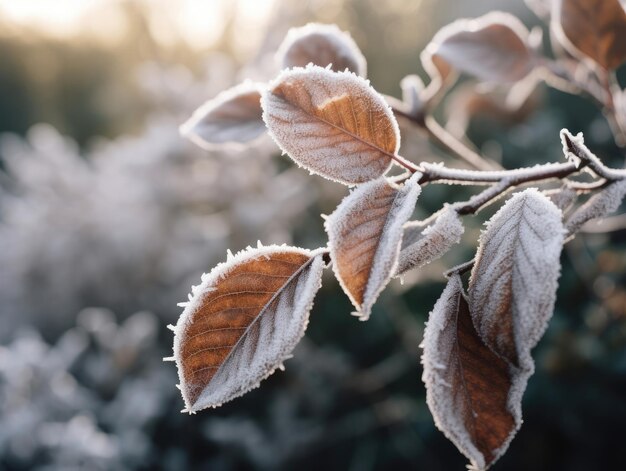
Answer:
x=200 y=23
x=58 y=17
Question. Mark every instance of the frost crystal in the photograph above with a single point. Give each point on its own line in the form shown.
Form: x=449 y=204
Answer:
x=421 y=246
x=514 y=280
x=243 y=322
x=599 y=205
x=331 y=123
x=364 y=236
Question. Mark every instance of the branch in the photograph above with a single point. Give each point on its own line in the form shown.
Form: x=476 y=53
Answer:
x=435 y=173
x=440 y=137
x=574 y=148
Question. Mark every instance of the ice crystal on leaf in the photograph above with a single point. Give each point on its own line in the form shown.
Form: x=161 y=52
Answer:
x=422 y=243
x=364 y=237
x=331 y=123
x=243 y=321
x=513 y=285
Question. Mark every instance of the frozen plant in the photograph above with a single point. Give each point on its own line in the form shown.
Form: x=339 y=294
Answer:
x=129 y=221
x=243 y=320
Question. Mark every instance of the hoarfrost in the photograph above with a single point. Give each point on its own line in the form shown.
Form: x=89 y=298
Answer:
x=333 y=124
x=513 y=284
x=421 y=246
x=599 y=205
x=224 y=349
x=473 y=394
x=364 y=237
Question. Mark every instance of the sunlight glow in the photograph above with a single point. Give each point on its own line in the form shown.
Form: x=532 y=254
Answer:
x=58 y=17
x=199 y=23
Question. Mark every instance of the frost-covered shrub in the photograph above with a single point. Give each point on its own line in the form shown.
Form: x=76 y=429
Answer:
x=124 y=223
x=243 y=320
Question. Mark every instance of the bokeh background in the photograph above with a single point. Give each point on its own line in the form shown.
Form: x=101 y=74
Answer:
x=108 y=216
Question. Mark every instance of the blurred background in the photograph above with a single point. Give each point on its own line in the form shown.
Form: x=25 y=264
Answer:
x=107 y=217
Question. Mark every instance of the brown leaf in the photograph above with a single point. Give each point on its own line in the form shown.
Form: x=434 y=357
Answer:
x=243 y=321
x=364 y=236
x=473 y=394
x=492 y=48
x=594 y=28
x=332 y=123
x=235 y=115
x=513 y=285
x=323 y=45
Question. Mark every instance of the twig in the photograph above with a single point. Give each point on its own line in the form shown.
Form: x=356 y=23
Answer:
x=441 y=137
x=460 y=269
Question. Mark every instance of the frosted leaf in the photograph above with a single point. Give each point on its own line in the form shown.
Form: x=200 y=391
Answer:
x=599 y=205
x=492 y=48
x=473 y=394
x=595 y=29
x=243 y=321
x=232 y=116
x=364 y=236
x=331 y=123
x=514 y=280
x=563 y=198
x=422 y=245
x=321 y=45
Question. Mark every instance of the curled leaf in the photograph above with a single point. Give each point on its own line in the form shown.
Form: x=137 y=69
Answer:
x=331 y=123
x=364 y=236
x=513 y=283
x=243 y=321
x=422 y=244
x=493 y=48
x=473 y=394
x=233 y=116
x=323 y=45
x=592 y=28
x=597 y=206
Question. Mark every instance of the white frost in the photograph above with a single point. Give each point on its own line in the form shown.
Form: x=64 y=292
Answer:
x=513 y=285
x=441 y=369
x=421 y=246
x=350 y=227
x=599 y=205
x=268 y=341
x=342 y=145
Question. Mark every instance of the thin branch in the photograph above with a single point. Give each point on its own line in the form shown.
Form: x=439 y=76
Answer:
x=441 y=137
x=434 y=173
x=460 y=269
x=573 y=146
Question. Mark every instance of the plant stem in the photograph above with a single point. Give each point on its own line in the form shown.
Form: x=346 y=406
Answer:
x=438 y=173
x=460 y=269
x=441 y=137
